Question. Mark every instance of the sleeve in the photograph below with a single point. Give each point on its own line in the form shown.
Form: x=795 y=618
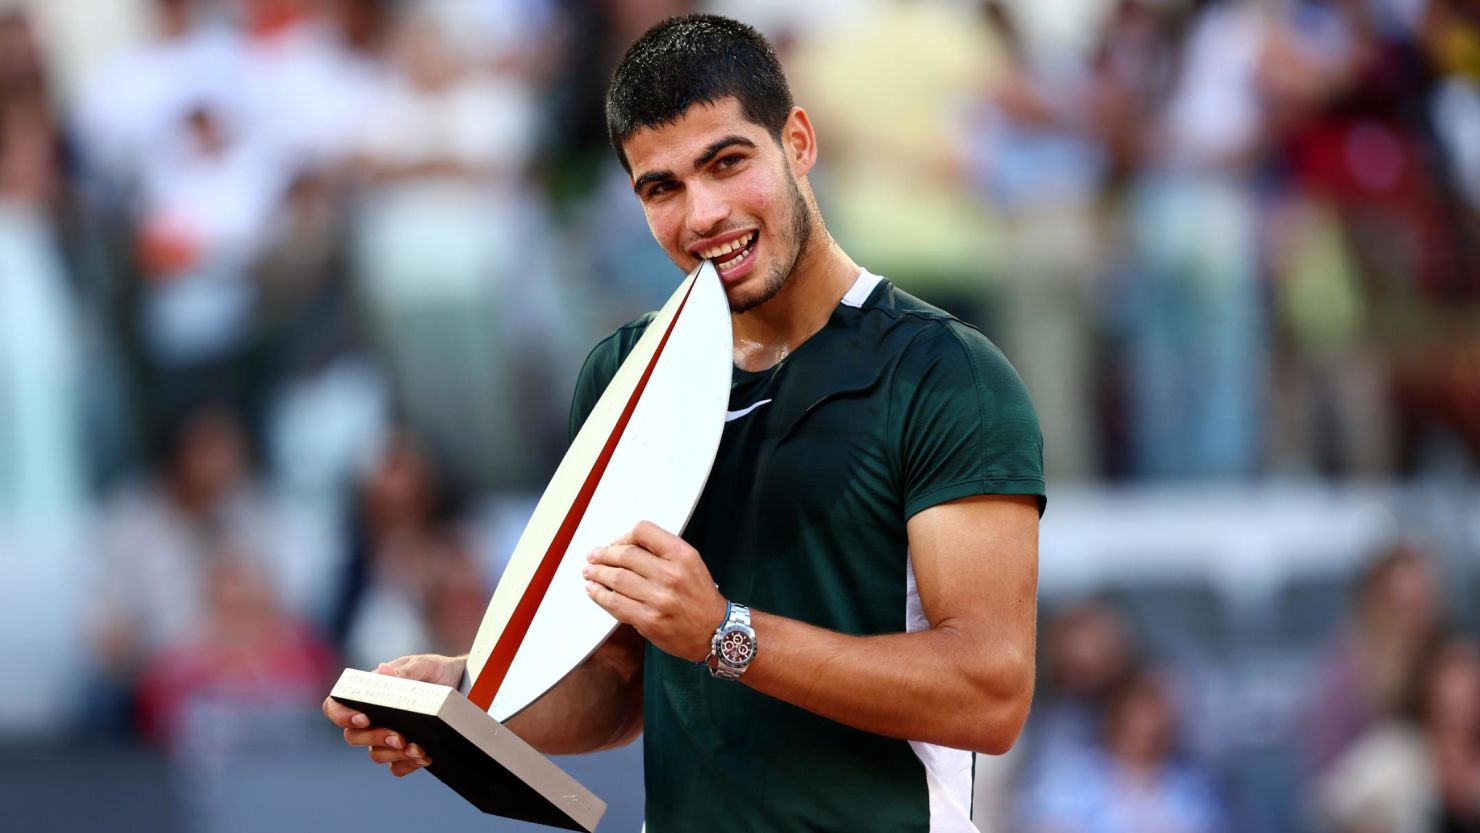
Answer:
x=597 y=372
x=963 y=422
x=599 y=369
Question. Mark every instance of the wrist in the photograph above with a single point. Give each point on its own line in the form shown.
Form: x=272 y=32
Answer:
x=705 y=638
x=733 y=646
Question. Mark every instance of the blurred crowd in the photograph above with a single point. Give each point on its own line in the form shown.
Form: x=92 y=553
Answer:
x=1374 y=723
x=1219 y=239
x=342 y=258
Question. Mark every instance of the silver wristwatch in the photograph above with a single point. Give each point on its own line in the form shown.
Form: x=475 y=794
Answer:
x=733 y=646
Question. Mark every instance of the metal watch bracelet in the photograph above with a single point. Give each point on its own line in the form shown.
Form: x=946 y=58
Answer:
x=733 y=646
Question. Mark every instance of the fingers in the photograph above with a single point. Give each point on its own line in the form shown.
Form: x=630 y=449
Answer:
x=625 y=582
x=401 y=769
x=388 y=755
x=343 y=716
x=622 y=608
x=386 y=746
x=630 y=557
x=652 y=580
x=374 y=737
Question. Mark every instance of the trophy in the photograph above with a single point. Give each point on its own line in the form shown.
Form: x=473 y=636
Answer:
x=644 y=453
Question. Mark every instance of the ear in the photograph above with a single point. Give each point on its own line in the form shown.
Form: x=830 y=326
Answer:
x=799 y=141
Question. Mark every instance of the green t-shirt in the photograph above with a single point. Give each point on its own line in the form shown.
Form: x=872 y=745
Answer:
x=893 y=407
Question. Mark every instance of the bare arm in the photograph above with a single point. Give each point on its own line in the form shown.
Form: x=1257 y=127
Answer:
x=964 y=681
x=597 y=706
x=967 y=680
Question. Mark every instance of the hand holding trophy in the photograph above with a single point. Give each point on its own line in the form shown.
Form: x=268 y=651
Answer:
x=386 y=745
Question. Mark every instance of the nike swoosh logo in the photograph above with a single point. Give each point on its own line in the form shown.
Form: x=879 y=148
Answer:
x=731 y=416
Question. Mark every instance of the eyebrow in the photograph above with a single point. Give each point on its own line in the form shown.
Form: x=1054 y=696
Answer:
x=700 y=161
x=713 y=150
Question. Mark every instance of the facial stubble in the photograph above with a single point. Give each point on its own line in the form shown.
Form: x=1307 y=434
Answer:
x=796 y=236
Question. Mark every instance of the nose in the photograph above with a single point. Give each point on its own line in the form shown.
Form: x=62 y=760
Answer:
x=707 y=210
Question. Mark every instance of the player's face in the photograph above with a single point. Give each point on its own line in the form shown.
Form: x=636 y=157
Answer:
x=716 y=186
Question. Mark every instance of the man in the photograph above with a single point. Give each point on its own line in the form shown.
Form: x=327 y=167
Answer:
x=872 y=511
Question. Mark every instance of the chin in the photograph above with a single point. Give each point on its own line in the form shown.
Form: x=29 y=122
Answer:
x=745 y=298
x=740 y=302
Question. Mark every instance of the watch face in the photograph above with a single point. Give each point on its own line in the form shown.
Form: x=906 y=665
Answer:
x=736 y=648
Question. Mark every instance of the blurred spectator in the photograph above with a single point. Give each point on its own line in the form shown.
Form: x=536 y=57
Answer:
x=1136 y=781
x=183 y=181
x=411 y=582
x=1331 y=411
x=314 y=70
x=157 y=539
x=247 y=680
x=1451 y=33
x=1372 y=134
x=41 y=465
x=1330 y=387
x=303 y=309
x=330 y=402
x=205 y=200
x=785 y=24
x=30 y=167
x=898 y=144
x=142 y=97
x=325 y=424
x=574 y=148
x=1364 y=674
x=1419 y=771
x=1087 y=652
x=511 y=37
x=1040 y=164
x=1187 y=116
x=447 y=252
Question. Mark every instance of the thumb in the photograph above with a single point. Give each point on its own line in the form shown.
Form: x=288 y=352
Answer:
x=398 y=667
x=426 y=668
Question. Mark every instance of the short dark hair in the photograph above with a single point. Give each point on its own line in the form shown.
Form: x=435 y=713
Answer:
x=695 y=59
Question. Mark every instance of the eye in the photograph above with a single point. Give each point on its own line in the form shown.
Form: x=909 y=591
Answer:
x=727 y=162
x=658 y=189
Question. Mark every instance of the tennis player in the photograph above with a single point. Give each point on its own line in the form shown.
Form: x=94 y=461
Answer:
x=850 y=612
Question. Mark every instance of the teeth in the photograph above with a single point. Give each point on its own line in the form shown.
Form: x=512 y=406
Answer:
x=728 y=262
x=726 y=248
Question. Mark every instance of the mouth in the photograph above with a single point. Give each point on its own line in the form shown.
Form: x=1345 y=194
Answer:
x=732 y=258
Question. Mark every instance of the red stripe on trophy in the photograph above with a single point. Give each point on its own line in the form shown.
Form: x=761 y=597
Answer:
x=497 y=668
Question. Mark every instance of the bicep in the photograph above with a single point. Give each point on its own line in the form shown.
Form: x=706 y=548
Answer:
x=621 y=654
x=976 y=565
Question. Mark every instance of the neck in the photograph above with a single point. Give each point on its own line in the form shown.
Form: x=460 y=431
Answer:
x=767 y=334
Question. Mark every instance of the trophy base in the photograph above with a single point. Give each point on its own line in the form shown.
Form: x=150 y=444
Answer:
x=472 y=753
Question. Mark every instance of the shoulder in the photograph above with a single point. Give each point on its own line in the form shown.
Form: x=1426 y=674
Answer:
x=610 y=352
x=959 y=416
x=601 y=366
x=922 y=329
x=934 y=343
x=621 y=340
